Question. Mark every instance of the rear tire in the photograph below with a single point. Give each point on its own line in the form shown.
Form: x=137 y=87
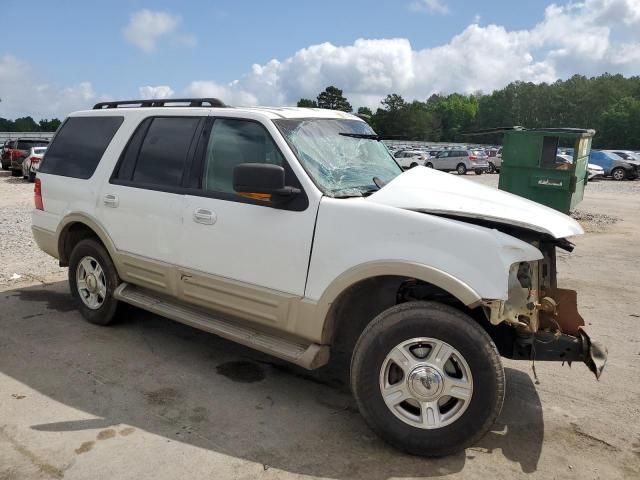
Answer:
x=429 y=165
x=461 y=169
x=619 y=174
x=16 y=173
x=32 y=177
x=492 y=168
x=413 y=164
x=92 y=280
x=442 y=402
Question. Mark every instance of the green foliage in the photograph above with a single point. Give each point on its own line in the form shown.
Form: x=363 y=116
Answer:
x=365 y=111
x=621 y=123
x=28 y=124
x=333 y=99
x=308 y=103
x=610 y=104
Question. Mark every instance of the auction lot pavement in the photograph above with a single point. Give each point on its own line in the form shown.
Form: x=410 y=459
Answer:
x=150 y=398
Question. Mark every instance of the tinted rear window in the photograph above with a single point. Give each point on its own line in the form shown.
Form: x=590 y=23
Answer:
x=79 y=146
x=27 y=144
x=164 y=151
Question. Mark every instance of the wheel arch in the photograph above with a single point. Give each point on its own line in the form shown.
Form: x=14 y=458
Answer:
x=76 y=227
x=372 y=287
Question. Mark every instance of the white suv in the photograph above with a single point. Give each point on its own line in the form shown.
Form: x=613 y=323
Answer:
x=294 y=231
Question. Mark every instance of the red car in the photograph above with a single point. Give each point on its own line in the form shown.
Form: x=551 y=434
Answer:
x=19 y=151
x=8 y=146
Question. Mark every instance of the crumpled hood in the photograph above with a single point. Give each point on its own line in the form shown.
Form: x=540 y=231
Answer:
x=426 y=190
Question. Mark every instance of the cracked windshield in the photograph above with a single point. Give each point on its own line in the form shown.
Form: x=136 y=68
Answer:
x=342 y=156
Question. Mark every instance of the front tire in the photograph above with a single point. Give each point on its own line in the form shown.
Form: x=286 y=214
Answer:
x=479 y=172
x=92 y=280
x=461 y=169
x=619 y=174
x=427 y=378
x=492 y=168
x=413 y=165
x=16 y=173
x=429 y=165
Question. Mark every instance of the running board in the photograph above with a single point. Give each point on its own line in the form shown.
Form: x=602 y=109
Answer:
x=309 y=356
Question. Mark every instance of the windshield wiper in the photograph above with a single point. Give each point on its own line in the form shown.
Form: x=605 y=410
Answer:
x=366 y=136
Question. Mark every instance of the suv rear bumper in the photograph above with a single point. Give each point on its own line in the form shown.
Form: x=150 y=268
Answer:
x=46 y=240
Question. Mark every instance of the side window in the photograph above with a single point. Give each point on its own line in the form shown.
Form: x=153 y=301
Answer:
x=164 y=151
x=124 y=170
x=231 y=143
x=79 y=145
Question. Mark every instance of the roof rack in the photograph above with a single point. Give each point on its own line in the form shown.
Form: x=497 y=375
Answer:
x=162 y=102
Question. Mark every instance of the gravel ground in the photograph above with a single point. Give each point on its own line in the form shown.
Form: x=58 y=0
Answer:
x=19 y=254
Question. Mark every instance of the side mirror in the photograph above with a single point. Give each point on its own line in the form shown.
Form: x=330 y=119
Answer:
x=262 y=181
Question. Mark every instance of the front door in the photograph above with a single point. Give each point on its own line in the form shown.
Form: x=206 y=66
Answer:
x=240 y=255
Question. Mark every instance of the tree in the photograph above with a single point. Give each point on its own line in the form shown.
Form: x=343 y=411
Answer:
x=333 y=99
x=49 y=125
x=25 y=124
x=365 y=111
x=393 y=102
x=620 y=124
x=308 y=103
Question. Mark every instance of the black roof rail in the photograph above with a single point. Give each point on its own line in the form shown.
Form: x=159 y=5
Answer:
x=162 y=102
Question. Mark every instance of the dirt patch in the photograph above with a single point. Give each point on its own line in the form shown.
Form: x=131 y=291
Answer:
x=106 y=434
x=85 y=447
x=241 y=371
x=162 y=396
x=594 y=222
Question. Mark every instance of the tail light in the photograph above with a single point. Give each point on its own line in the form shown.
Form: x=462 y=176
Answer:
x=35 y=159
x=473 y=158
x=37 y=195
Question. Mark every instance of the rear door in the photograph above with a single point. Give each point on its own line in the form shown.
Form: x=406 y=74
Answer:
x=440 y=162
x=141 y=205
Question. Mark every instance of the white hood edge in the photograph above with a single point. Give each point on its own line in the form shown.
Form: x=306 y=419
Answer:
x=430 y=191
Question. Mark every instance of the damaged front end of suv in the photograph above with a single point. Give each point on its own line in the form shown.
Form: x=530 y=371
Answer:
x=531 y=318
x=546 y=324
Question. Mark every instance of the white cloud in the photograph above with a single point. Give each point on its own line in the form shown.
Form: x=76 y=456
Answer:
x=146 y=27
x=229 y=94
x=24 y=93
x=590 y=38
x=433 y=7
x=160 y=91
x=575 y=38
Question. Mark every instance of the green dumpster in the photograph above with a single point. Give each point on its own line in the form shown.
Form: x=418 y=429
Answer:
x=531 y=169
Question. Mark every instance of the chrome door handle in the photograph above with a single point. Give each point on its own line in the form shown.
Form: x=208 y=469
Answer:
x=111 y=200
x=204 y=216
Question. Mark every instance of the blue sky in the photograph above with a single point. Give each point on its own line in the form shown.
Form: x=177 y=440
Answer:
x=78 y=52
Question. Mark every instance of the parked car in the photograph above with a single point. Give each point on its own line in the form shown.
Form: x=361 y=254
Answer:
x=307 y=241
x=462 y=161
x=615 y=166
x=495 y=161
x=592 y=169
x=22 y=148
x=626 y=154
x=31 y=163
x=411 y=158
x=7 y=148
